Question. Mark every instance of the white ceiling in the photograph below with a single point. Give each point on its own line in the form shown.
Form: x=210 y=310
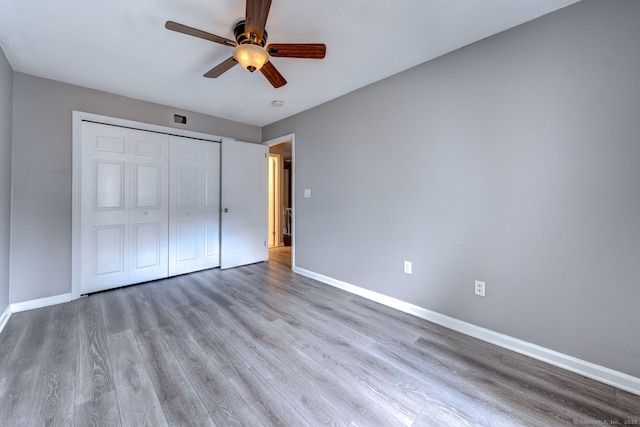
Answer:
x=122 y=47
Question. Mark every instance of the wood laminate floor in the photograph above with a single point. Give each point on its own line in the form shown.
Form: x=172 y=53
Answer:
x=260 y=345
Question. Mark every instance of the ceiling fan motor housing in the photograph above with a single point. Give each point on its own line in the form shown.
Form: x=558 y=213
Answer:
x=242 y=37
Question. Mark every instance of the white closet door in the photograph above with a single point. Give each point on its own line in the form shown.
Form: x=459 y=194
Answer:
x=194 y=214
x=124 y=215
x=149 y=208
x=244 y=224
x=105 y=216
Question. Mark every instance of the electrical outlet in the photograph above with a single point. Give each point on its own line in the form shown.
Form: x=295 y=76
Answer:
x=407 y=267
x=480 y=288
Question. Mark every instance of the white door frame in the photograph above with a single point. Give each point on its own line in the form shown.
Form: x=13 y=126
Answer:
x=77 y=118
x=280 y=140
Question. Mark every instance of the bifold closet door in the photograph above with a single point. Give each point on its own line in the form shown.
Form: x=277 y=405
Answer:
x=124 y=206
x=194 y=214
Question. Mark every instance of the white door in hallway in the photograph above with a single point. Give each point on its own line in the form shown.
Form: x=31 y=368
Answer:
x=244 y=223
x=194 y=215
x=124 y=218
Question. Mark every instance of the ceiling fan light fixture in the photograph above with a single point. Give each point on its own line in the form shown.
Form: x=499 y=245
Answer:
x=252 y=57
x=250 y=47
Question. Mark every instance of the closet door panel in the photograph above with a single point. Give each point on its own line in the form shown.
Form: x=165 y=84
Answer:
x=109 y=251
x=188 y=242
x=108 y=183
x=187 y=188
x=149 y=206
x=124 y=204
x=185 y=234
x=105 y=219
x=147 y=186
x=147 y=245
x=194 y=205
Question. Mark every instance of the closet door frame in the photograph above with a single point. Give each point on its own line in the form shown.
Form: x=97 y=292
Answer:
x=77 y=118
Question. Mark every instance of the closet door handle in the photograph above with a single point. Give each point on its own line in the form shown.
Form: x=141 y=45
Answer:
x=226 y=210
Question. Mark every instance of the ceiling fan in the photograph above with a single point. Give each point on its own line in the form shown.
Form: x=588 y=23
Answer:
x=249 y=46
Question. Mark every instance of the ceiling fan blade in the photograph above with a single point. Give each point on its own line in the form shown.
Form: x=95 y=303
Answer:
x=256 y=17
x=174 y=26
x=221 y=68
x=300 y=50
x=273 y=75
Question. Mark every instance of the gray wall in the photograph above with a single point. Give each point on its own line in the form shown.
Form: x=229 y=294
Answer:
x=41 y=171
x=515 y=161
x=6 y=99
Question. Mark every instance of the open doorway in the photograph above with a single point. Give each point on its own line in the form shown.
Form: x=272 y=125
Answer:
x=276 y=205
x=281 y=203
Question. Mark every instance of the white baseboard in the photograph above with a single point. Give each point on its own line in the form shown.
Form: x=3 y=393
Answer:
x=39 y=303
x=4 y=318
x=590 y=370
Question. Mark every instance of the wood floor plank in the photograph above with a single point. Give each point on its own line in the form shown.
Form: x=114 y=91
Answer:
x=305 y=316
x=361 y=365
x=269 y=406
x=354 y=316
x=515 y=378
x=385 y=386
x=292 y=386
x=484 y=378
x=28 y=349
x=16 y=392
x=114 y=316
x=53 y=401
x=319 y=399
x=572 y=397
x=434 y=416
x=279 y=368
x=93 y=377
x=18 y=386
x=179 y=401
x=137 y=400
x=204 y=324
x=471 y=403
x=222 y=401
x=8 y=340
x=311 y=380
x=101 y=410
x=461 y=349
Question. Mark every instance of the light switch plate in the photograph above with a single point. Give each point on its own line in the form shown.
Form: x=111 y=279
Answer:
x=307 y=192
x=407 y=267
